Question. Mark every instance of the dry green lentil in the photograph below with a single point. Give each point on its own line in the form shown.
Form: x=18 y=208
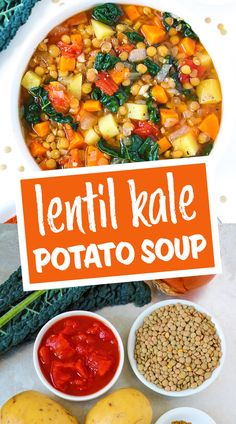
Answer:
x=197 y=355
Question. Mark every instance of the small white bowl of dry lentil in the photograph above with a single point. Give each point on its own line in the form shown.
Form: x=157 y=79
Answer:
x=176 y=348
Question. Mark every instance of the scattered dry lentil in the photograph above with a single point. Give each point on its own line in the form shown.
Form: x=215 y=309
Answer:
x=180 y=422
x=177 y=347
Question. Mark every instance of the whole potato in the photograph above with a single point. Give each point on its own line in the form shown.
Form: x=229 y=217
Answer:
x=33 y=407
x=125 y=406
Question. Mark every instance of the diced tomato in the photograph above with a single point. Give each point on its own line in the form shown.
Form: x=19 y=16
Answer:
x=81 y=349
x=99 y=364
x=101 y=332
x=79 y=383
x=45 y=355
x=70 y=50
x=80 y=369
x=94 y=329
x=79 y=355
x=61 y=374
x=144 y=129
x=105 y=335
x=184 y=78
x=70 y=327
x=60 y=346
x=125 y=48
x=90 y=340
x=58 y=96
x=106 y=83
x=199 y=68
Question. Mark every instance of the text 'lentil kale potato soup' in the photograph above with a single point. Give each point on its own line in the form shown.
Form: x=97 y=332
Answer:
x=119 y=84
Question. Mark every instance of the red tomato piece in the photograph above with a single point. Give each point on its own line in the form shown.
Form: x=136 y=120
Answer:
x=61 y=374
x=60 y=346
x=82 y=349
x=106 y=83
x=99 y=364
x=199 y=68
x=80 y=337
x=144 y=129
x=105 y=335
x=94 y=329
x=44 y=355
x=81 y=369
x=184 y=78
x=70 y=50
x=79 y=383
x=100 y=331
x=70 y=327
x=58 y=96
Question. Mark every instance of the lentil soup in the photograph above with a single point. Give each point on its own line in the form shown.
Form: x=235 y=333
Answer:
x=119 y=84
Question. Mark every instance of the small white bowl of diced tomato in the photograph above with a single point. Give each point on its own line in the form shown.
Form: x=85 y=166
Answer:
x=78 y=355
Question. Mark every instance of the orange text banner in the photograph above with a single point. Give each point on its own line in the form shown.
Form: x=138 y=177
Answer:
x=117 y=223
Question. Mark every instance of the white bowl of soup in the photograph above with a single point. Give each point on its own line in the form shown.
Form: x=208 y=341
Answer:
x=102 y=84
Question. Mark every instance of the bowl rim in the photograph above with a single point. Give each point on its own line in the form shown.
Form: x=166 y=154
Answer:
x=41 y=334
x=183 y=409
x=131 y=342
x=70 y=9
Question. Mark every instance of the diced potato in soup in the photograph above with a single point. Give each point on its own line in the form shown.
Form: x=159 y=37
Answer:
x=137 y=111
x=209 y=91
x=75 y=86
x=101 y=30
x=108 y=127
x=186 y=144
x=30 y=80
x=116 y=82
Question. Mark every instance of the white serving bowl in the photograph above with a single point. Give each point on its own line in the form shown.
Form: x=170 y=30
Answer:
x=131 y=347
x=192 y=415
x=185 y=10
x=41 y=334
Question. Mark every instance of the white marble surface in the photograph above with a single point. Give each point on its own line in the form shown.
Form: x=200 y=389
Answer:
x=219 y=297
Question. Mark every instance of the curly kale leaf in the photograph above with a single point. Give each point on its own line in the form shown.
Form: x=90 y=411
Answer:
x=105 y=61
x=153 y=68
x=143 y=150
x=134 y=37
x=41 y=99
x=107 y=13
x=7 y=9
x=138 y=150
x=112 y=102
x=187 y=31
x=184 y=28
x=32 y=113
x=153 y=111
x=207 y=149
x=13 y=14
x=24 y=313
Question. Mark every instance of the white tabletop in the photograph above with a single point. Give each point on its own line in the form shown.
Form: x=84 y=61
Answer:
x=219 y=297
